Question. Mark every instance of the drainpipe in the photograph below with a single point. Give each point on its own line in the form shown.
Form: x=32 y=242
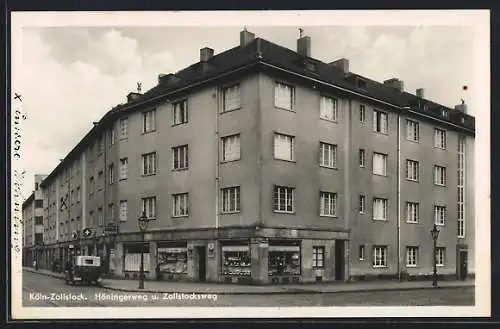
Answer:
x=347 y=187
x=217 y=142
x=398 y=216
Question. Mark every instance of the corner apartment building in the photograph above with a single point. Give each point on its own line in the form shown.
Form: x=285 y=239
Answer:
x=262 y=164
x=33 y=219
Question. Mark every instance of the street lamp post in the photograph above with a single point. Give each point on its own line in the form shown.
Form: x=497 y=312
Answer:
x=143 y=222
x=435 y=234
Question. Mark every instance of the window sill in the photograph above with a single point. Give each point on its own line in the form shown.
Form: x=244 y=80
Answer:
x=440 y=185
x=227 y=161
x=124 y=139
x=379 y=220
x=328 y=216
x=362 y=166
x=148 y=132
x=413 y=141
x=411 y=266
x=327 y=167
x=412 y=180
x=329 y=120
x=230 y=212
x=412 y=222
x=178 y=124
x=180 y=169
x=381 y=175
x=123 y=179
x=381 y=133
x=440 y=148
x=379 y=266
x=181 y=216
x=286 y=160
x=284 y=109
x=229 y=111
x=147 y=175
x=438 y=224
x=284 y=212
x=439 y=265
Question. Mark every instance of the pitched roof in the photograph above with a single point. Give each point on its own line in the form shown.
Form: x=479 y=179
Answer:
x=261 y=51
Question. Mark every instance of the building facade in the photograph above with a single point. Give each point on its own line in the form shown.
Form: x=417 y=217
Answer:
x=33 y=219
x=264 y=165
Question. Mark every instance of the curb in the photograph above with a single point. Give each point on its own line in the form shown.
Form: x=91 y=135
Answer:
x=291 y=291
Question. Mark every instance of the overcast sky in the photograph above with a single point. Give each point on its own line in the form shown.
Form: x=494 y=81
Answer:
x=74 y=75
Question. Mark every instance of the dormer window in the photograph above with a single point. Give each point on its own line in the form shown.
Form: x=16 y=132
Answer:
x=360 y=83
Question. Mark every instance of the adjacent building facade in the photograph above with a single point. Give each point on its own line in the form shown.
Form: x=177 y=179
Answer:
x=264 y=165
x=33 y=218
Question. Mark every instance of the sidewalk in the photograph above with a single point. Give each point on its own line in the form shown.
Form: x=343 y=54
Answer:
x=236 y=289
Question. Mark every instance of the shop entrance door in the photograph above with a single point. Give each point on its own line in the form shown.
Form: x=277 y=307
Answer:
x=462 y=261
x=339 y=259
x=201 y=263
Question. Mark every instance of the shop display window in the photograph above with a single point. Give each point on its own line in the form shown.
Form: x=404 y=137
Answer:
x=236 y=260
x=172 y=260
x=284 y=260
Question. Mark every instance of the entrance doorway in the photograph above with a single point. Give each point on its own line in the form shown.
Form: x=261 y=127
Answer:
x=339 y=259
x=462 y=264
x=201 y=263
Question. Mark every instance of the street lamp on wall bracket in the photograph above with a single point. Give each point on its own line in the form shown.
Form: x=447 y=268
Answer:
x=435 y=235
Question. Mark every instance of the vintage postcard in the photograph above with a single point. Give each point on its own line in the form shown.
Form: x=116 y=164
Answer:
x=273 y=164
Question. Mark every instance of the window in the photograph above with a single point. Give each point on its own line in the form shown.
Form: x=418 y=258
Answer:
x=100 y=146
x=318 y=257
x=36 y=186
x=379 y=256
x=231 y=148
x=284 y=147
x=123 y=128
x=111 y=136
x=123 y=168
x=92 y=185
x=149 y=164
x=111 y=171
x=111 y=212
x=231 y=98
x=283 y=199
x=439 y=175
x=78 y=194
x=123 y=210
x=379 y=122
x=440 y=138
x=327 y=155
x=38 y=220
x=38 y=203
x=412 y=212
x=380 y=164
x=328 y=109
x=439 y=215
x=328 y=204
x=411 y=256
x=284 y=96
x=231 y=199
x=361 y=252
x=379 y=209
x=100 y=180
x=148 y=121
x=412 y=170
x=180 y=112
x=180 y=157
x=180 y=205
x=362 y=113
x=362 y=204
x=412 y=131
x=149 y=206
x=100 y=216
x=440 y=256
x=361 y=158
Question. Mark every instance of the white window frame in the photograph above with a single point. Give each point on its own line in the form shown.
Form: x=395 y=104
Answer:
x=384 y=164
x=412 y=170
x=327 y=155
x=148 y=206
x=412 y=255
x=180 y=205
x=440 y=256
x=284 y=96
x=123 y=128
x=380 y=122
x=439 y=215
x=123 y=210
x=111 y=212
x=362 y=113
x=231 y=98
x=328 y=204
x=281 y=143
x=180 y=157
x=318 y=257
x=289 y=199
x=328 y=108
x=439 y=175
x=100 y=216
x=379 y=256
x=412 y=212
x=149 y=164
x=231 y=148
x=379 y=202
x=180 y=112
x=362 y=204
x=440 y=138
x=362 y=158
x=231 y=200
x=412 y=130
x=111 y=173
x=123 y=168
x=361 y=252
x=112 y=135
x=78 y=194
x=148 y=121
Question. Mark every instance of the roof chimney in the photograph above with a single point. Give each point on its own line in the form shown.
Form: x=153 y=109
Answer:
x=461 y=107
x=167 y=78
x=395 y=83
x=420 y=92
x=206 y=54
x=304 y=46
x=341 y=64
x=132 y=96
x=246 y=37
